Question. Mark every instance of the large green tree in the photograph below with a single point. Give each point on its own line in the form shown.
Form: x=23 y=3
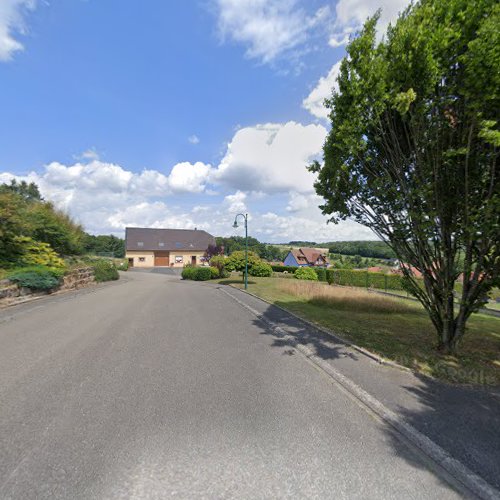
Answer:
x=12 y=225
x=54 y=227
x=413 y=151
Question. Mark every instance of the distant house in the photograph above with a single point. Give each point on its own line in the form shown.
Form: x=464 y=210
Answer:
x=148 y=247
x=306 y=257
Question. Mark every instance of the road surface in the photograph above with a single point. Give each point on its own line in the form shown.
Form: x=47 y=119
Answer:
x=152 y=387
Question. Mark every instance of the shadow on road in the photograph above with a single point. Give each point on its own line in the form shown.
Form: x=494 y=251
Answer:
x=464 y=421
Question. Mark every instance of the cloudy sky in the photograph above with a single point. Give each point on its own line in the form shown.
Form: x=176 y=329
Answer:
x=176 y=114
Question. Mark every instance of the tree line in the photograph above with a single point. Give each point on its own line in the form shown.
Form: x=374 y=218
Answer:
x=267 y=252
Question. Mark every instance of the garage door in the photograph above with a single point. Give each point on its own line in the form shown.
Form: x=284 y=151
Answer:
x=161 y=259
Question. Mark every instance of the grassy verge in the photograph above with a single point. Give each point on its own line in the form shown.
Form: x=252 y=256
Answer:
x=397 y=329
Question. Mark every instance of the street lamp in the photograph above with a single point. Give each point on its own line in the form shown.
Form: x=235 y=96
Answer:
x=235 y=225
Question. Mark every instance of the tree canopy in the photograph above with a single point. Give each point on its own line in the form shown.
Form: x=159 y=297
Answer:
x=413 y=150
x=25 y=219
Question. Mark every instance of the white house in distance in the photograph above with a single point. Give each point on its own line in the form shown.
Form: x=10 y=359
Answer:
x=151 y=247
x=306 y=257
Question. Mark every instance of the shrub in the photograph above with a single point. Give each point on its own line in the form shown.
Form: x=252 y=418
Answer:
x=214 y=273
x=236 y=261
x=219 y=261
x=321 y=272
x=37 y=277
x=188 y=272
x=105 y=270
x=306 y=273
x=122 y=265
x=36 y=253
x=261 y=269
x=202 y=274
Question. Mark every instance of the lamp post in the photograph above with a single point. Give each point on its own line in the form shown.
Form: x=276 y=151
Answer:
x=245 y=217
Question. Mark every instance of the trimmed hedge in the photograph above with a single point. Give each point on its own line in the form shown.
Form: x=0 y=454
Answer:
x=321 y=272
x=365 y=279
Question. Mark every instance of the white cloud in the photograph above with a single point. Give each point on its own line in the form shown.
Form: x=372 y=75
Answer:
x=193 y=139
x=298 y=202
x=288 y=228
x=236 y=202
x=89 y=154
x=11 y=22
x=314 y=102
x=271 y=158
x=188 y=177
x=268 y=27
x=351 y=14
x=106 y=198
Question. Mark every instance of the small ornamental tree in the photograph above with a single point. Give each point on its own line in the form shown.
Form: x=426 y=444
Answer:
x=413 y=151
x=212 y=251
x=236 y=261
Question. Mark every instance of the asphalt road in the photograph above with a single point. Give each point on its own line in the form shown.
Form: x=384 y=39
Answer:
x=153 y=387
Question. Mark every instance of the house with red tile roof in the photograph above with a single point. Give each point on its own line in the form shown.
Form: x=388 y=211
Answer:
x=306 y=257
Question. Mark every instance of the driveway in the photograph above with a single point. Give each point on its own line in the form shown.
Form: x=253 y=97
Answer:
x=152 y=387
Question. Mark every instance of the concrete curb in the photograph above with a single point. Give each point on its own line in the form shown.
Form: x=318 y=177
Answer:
x=459 y=472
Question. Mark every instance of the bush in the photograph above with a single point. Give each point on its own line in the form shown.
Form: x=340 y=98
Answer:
x=105 y=270
x=261 y=269
x=306 y=273
x=188 y=272
x=122 y=265
x=202 y=274
x=199 y=273
x=219 y=261
x=37 y=277
x=236 y=261
x=321 y=272
x=36 y=253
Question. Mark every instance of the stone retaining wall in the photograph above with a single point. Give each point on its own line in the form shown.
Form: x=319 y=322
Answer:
x=10 y=293
x=78 y=278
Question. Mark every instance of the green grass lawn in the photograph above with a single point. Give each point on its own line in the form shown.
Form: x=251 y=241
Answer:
x=397 y=329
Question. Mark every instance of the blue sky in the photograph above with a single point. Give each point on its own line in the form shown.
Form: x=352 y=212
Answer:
x=175 y=114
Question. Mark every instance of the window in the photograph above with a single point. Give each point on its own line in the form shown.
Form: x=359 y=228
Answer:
x=140 y=243
x=142 y=259
x=178 y=259
x=178 y=245
x=161 y=244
